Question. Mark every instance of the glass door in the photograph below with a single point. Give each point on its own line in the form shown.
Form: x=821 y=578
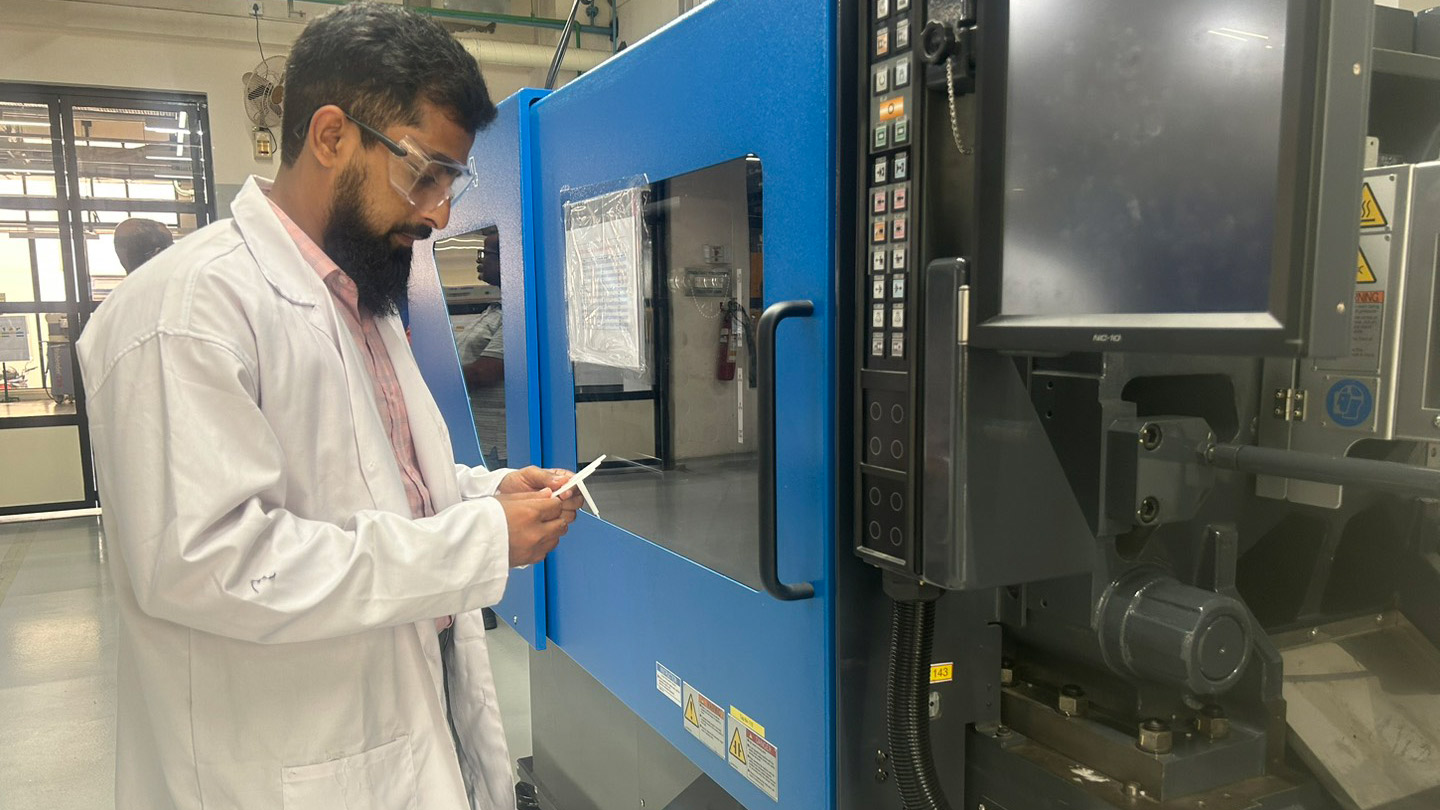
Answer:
x=699 y=595
x=74 y=164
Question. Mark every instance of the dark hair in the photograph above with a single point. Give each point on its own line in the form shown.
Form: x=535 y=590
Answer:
x=139 y=240
x=379 y=62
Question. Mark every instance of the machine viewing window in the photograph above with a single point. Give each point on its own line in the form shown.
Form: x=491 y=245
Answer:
x=469 y=268
x=680 y=440
x=1156 y=180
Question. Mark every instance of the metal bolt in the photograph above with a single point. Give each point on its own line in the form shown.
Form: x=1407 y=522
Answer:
x=1212 y=722
x=642 y=802
x=1380 y=619
x=1436 y=421
x=1149 y=510
x=514 y=619
x=1073 y=701
x=1132 y=790
x=1007 y=672
x=881 y=775
x=1155 y=737
x=1314 y=632
x=1358 y=70
x=1002 y=731
x=881 y=757
x=1340 y=308
x=1151 y=436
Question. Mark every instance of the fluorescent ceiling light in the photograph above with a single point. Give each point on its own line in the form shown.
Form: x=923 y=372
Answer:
x=167 y=157
x=173 y=177
x=37 y=124
x=167 y=130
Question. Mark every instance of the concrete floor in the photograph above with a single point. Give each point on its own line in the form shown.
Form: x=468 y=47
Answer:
x=57 y=669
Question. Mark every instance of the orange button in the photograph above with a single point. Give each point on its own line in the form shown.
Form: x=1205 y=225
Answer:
x=892 y=108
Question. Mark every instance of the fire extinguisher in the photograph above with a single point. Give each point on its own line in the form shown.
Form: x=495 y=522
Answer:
x=725 y=355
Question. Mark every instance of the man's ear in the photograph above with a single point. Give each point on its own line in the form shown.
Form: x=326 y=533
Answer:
x=329 y=140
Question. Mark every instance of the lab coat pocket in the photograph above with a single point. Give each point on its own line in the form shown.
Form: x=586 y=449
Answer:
x=382 y=778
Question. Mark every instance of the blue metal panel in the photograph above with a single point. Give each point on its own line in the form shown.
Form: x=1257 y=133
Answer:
x=731 y=78
x=500 y=198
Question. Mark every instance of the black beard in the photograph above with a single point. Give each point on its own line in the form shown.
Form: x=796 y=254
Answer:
x=380 y=270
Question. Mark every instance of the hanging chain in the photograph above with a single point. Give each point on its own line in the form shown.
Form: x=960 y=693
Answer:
x=954 y=116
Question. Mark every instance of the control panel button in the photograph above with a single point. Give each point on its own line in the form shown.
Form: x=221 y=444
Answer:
x=882 y=136
x=877 y=261
x=902 y=5
x=897 y=229
x=892 y=108
x=902 y=35
x=877 y=316
x=901 y=197
x=897 y=345
x=902 y=131
x=877 y=203
x=882 y=170
x=902 y=166
x=897 y=288
x=878 y=234
x=897 y=316
x=882 y=8
x=882 y=41
x=897 y=258
x=877 y=288
x=902 y=73
x=882 y=80
x=877 y=344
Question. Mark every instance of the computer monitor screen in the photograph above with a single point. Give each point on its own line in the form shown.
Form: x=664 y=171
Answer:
x=1157 y=172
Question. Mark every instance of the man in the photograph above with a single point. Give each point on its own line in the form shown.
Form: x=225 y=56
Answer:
x=139 y=240
x=286 y=522
x=482 y=360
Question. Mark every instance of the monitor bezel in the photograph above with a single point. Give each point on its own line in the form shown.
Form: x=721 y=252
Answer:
x=1324 y=112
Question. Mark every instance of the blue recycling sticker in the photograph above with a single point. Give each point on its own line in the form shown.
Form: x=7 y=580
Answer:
x=1349 y=403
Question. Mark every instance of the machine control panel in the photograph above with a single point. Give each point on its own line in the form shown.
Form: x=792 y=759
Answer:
x=884 y=293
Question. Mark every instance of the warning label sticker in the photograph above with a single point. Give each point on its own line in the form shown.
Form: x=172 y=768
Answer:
x=1372 y=215
x=704 y=719
x=754 y=757
x=1367 y=318
x=668 y=683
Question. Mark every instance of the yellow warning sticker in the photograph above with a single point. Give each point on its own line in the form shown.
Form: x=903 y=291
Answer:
x=942 y=673
x=745 y=718
x=737 y=747
x=1371 y=214
x=690 y=716
x=704 y=719
x=1363 y=273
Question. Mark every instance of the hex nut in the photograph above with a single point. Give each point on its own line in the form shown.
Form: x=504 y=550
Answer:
x=1212 y=722
x=1155 y=737
x=1073 y=701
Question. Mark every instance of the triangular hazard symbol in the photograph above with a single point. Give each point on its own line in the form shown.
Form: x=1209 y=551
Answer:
x=1363 y=273
x=737 y=747
x=1371 y=215
x=690 y=716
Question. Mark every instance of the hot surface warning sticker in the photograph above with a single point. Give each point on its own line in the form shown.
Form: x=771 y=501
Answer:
x=704 y=719
x=1372 y=215
x=1367 y=318
x=754 y=757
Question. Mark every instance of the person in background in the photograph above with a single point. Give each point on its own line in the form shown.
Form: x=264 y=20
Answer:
x=482 y=359
x=289 y=530
x=139 y=240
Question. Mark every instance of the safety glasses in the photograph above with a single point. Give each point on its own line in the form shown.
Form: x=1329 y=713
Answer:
x=425 y=181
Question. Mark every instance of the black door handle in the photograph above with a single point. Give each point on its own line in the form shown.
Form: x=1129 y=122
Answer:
x=765 y=366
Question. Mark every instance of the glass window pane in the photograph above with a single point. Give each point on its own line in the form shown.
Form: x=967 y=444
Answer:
x=27 y=162
x=36 y=365
x=24 y=259
x=135 y=153
x=469 y=268
x=689 y=479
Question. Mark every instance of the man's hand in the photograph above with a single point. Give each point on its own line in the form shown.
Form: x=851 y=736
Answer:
x=534 y=479
x=536 y=522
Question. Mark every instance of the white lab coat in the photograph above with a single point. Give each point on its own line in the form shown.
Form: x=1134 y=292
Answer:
x=277 y=644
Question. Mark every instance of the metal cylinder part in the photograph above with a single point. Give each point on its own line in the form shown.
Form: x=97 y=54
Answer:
x=1154 y=627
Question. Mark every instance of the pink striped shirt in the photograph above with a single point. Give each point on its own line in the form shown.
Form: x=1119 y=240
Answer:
x=389 y=399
